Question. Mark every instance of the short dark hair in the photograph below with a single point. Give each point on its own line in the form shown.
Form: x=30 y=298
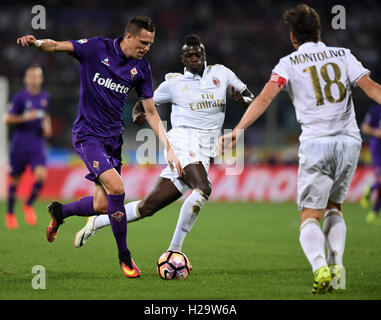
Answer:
x=138 y=23
x=304 y=23
x=192 y=40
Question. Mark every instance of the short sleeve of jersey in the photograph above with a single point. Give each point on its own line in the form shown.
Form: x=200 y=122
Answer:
x=281 y=69
x=163 y=93
x=144 y=88
x=83 y=48
x=355 y=69
x=16 y=105
x=234 y=81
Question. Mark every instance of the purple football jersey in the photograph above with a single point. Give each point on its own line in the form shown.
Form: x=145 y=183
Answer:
x=23 y=102
x=373 y=118
x=28 y=143
x=106 y=77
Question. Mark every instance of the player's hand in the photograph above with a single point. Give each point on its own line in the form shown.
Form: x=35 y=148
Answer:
x=173 y=159
x=237 y=96
x=30 y=115
x=138 y=116
x=227 y=141
x=27 y=41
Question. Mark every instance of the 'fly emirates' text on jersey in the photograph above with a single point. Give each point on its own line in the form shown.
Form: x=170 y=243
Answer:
x=107 y=75
x=319 y=80
x=198 y=102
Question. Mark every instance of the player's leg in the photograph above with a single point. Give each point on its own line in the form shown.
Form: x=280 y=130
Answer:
x=312 y=242
x=18 y=160
x=314 y=185
x=113 y=185
x=335 y=230
x=196 y=177
x=10 y=217
x=347 y=152
x=88 y=148
x=40 y=175
x=163 y=193
x=375 y=189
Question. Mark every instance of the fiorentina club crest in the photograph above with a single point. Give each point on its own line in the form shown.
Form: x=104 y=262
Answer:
x=118 y=215
x=96 y=165
x=134 y=72
x=216 y=82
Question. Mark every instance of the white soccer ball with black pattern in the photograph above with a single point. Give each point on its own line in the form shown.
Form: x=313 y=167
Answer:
x=173 y=265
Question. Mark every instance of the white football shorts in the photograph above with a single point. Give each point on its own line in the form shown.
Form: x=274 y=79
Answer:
x=326 y=168
x=190 y=145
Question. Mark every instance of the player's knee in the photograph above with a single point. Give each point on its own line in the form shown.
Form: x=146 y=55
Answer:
x=307 y=214
x=100 y=207
x=205 y=189
x=116 y=189
x=40 y=174
x=146 y=209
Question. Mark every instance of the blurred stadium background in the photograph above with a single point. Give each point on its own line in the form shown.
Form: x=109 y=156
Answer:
x=244 y=35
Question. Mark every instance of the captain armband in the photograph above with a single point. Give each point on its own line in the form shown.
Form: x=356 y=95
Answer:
x=280 y=81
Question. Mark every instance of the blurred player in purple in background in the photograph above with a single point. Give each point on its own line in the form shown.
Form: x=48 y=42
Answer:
x=372 y=127
x=31 y=125
x=109 y=68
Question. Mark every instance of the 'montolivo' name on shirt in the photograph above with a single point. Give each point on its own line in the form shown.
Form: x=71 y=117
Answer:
x=108 y=83
x=316 y=56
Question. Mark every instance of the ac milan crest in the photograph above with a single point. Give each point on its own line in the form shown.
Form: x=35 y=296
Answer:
x=216 y=82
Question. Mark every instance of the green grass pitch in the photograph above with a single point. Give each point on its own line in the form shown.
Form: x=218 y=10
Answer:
x=244 y=251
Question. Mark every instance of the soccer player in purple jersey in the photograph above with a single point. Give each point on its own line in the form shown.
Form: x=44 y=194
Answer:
x=31 y=125
x=372 y=127
x=109 y=68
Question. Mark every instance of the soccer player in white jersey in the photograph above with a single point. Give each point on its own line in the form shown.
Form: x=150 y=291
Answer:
x=319 y=80
x=198 y=98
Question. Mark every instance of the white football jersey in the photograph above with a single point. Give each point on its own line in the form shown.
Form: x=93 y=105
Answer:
x=319 y=80
x=198 y=102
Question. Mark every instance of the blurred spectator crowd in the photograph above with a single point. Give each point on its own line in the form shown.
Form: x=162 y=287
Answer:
x=245 y=35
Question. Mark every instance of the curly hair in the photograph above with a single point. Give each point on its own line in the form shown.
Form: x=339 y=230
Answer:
x=192 y=40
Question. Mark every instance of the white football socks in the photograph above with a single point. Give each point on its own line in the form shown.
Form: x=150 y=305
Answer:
x=335 y=231
x=101 y=221
x=188 y=215
x=131 y=213
x=313 y=243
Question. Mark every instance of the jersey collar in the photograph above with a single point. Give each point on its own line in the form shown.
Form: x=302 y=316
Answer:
x=117 y=47
x=311 y=45
x=190 y=75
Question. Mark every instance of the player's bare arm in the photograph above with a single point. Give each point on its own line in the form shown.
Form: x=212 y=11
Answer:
x=157 y=126
x=371 y=88
x=46 y=45
x=255 y=110
x=47 y=126
x=370 y=131
x=13 y=119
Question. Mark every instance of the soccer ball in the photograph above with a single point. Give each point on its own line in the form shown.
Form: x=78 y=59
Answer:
x=173 y=265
